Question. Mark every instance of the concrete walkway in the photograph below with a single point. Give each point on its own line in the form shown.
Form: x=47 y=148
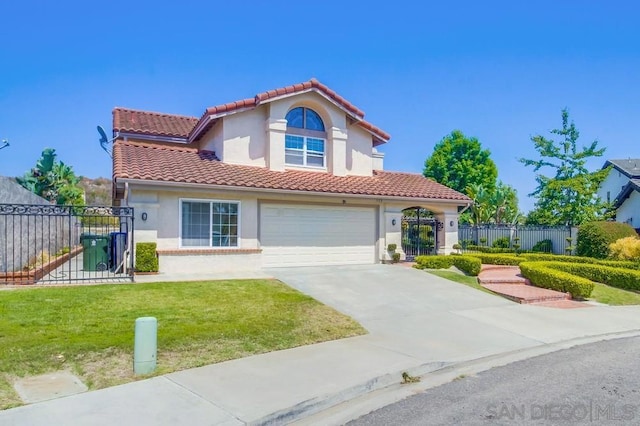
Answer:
x=418 y=323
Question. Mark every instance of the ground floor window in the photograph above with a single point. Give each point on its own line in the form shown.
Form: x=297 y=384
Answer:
x=209 y=223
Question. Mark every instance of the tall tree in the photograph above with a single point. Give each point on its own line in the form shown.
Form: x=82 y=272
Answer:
x=53 y=180
x=499 y=206
x=458 y=161
x=569 y=195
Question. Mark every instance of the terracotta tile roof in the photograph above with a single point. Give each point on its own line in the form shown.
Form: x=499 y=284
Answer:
x=157 y=124
x=171 y=163
x=152 y=123
x=311 y=84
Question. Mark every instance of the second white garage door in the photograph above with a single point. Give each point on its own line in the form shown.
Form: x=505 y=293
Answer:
x=293 y=235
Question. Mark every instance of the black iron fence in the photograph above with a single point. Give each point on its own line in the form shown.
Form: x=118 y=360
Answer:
x=419 y=236
x=546 y=239
x=53 y=244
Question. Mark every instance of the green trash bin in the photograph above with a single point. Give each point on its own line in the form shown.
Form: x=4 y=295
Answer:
x=95 y=252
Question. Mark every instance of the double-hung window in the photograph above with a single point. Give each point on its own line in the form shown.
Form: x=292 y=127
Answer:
x=209 y=223
x=305 y=138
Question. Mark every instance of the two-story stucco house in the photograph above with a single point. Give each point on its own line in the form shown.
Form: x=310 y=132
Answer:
x=621 y=187
x=289 y=177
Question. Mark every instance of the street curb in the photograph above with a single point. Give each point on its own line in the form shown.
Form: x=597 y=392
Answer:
x=356 y=401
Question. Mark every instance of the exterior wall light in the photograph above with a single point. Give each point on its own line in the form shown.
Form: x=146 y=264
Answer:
x=144 y=216
x=393 y=222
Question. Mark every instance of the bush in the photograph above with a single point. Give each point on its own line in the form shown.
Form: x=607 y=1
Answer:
x=485 y=249
x=146 y=257
x=470 y=265
x=544 y=246
x=499 y=259
x=626 y=279
x=501 y=242
x=434 y=262
x=625 y=249
x=594 y=238
x=544 y=275
x=395 y=257
x=392 y=247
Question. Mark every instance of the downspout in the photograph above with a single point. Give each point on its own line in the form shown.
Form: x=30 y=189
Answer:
x=126 y=194
x=465 y=208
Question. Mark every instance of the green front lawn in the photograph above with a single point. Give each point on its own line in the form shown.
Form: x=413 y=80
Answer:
x=459 y=278
x=89 y=329
x=614 y=296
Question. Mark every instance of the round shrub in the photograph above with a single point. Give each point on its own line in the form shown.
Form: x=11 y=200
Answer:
x=544 y=246
x=625 y=249
x=501 y=242
x=594 y=238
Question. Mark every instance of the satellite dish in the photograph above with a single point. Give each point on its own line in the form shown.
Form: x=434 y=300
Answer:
x=104 y=141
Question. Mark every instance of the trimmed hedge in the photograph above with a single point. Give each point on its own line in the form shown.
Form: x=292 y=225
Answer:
x=594 y=238
x=544 y=275
x=434 y=262
x=626 y=279
x=498 y=259
x=516 y=259
x=470 y=265
x=485 y=249
x=146 y=257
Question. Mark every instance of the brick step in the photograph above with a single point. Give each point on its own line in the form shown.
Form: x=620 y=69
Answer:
x=526 y=294
x=512 y=280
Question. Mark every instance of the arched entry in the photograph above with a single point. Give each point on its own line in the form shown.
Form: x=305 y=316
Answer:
x=419 y=232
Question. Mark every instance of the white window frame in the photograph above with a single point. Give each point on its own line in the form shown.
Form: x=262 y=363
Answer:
x=305 y=151
x=210 y=201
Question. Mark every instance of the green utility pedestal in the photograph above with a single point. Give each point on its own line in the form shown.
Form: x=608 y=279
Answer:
x=146 y=345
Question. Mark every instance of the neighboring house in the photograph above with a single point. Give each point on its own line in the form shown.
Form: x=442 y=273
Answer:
x=621 y=187
x=290 y=177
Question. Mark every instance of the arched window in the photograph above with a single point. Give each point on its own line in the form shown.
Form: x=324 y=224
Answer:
x=305 y=138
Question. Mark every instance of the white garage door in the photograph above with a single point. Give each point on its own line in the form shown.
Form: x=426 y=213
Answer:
x=316 y=235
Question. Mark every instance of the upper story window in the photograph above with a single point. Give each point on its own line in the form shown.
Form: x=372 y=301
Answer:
x=305 y=139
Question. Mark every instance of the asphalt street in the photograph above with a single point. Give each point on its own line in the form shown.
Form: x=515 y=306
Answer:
x=597 y=383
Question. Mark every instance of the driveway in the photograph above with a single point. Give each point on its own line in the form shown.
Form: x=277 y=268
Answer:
x=407 y=310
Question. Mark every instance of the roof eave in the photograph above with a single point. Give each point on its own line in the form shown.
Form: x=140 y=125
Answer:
x=288 y=191
x=151 y=137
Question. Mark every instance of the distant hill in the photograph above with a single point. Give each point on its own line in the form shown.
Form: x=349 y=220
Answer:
x=97 y=191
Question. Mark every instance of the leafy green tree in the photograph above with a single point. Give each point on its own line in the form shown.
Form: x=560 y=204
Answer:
x=499 y=206
x=53 y=180
x=458 y=161
x=569 y=195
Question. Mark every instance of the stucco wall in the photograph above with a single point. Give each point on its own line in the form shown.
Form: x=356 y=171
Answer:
x=359 y=152
x=212 y=140
x=26 y=237
x=245 y=137
x=255 y=137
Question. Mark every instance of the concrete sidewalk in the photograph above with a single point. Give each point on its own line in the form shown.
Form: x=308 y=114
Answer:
x=417 y=322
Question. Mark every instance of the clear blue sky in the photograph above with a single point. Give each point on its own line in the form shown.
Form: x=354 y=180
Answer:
x=499 y=71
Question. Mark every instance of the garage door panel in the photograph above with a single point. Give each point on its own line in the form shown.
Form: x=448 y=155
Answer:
x=316 y=235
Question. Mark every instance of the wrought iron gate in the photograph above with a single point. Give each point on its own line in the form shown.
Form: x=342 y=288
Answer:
x=63 y=244
x=419 y=236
